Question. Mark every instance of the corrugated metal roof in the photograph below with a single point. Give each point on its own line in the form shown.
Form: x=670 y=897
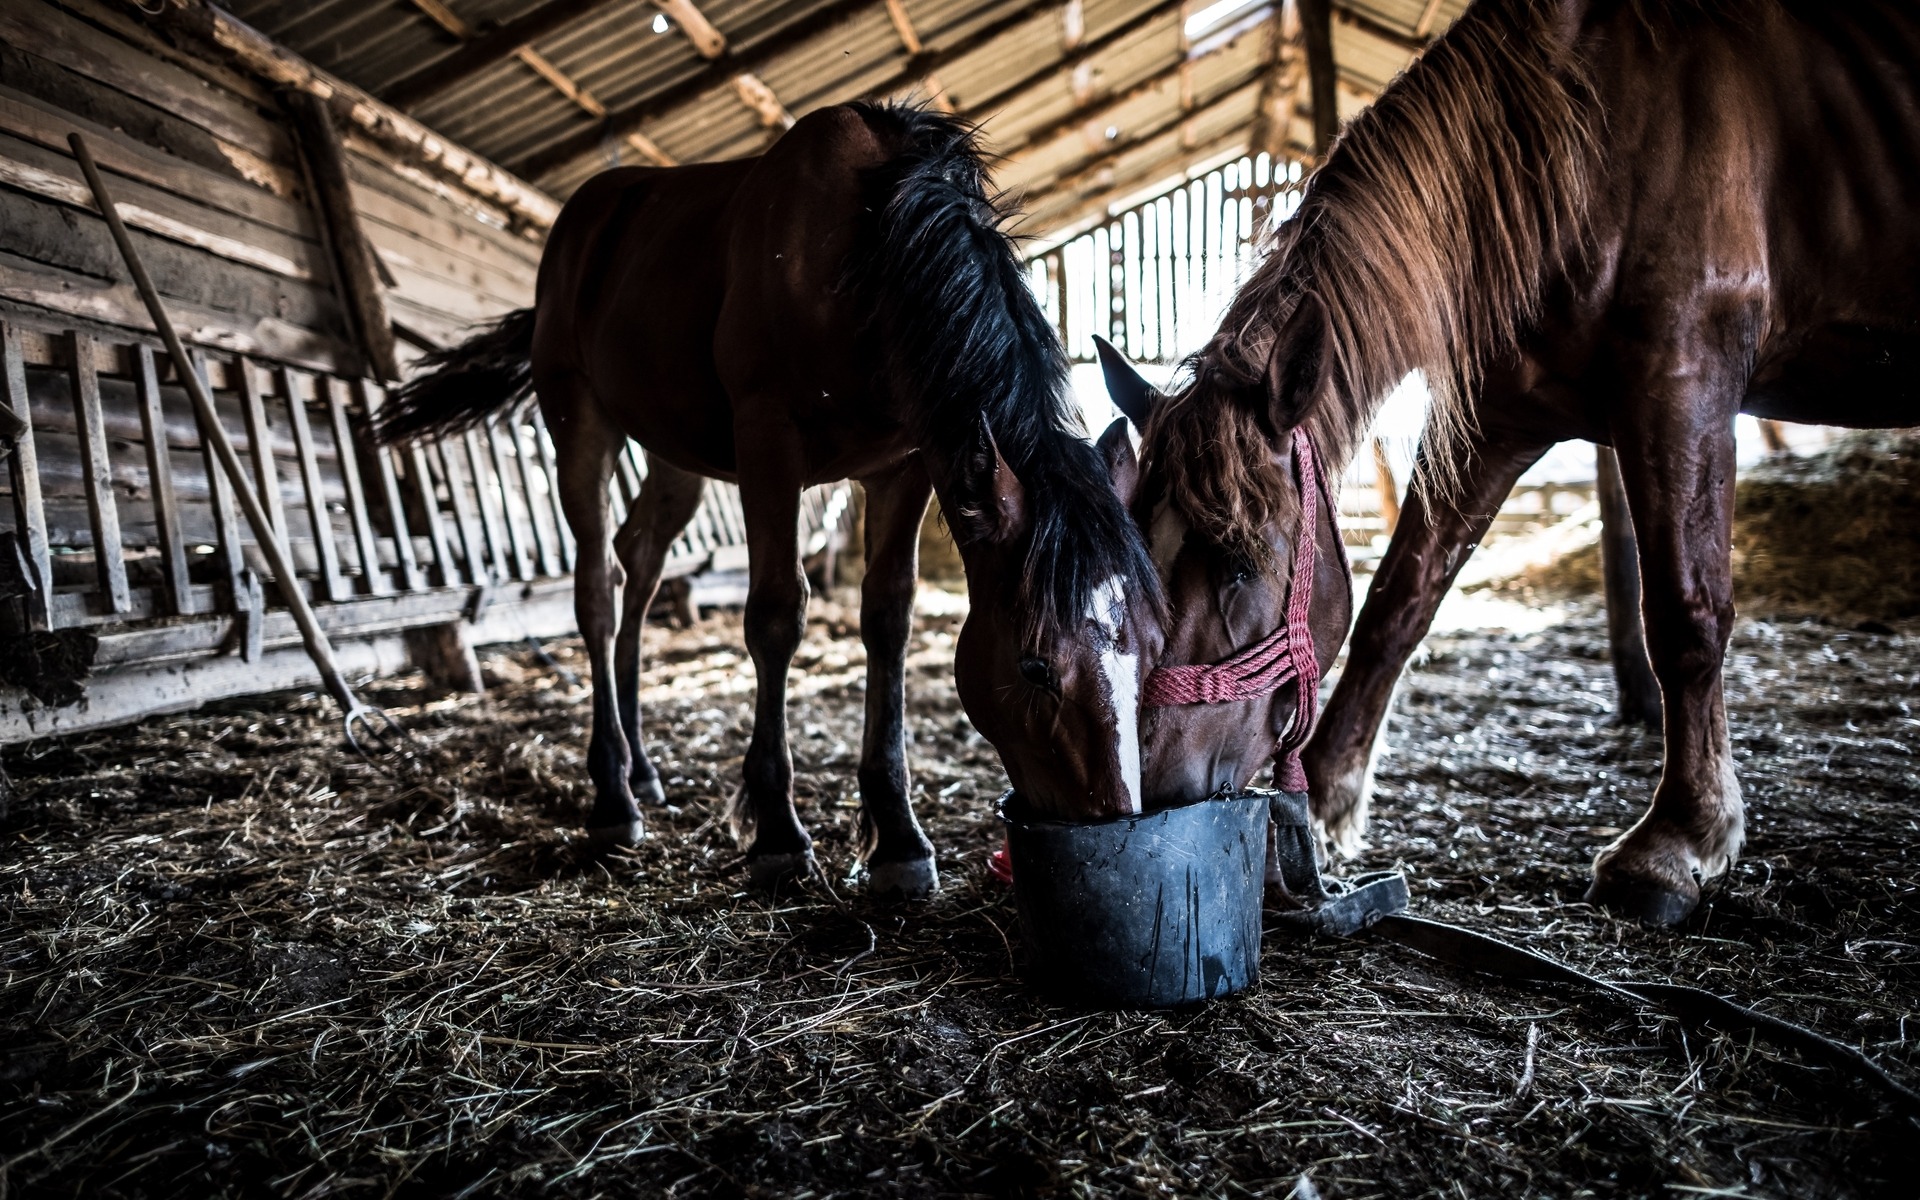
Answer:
x=1116 y=64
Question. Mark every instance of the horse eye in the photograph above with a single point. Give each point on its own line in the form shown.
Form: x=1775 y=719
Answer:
x=1037 y=672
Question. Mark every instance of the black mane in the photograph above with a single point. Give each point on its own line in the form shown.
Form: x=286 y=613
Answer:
x=963 y=338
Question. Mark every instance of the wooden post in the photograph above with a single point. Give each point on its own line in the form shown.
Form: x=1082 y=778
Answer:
x=96 y=469
x=1316 y=33
x=1388 y=486
x=29 y=515
x=1620 y=567
x=333 y=586
x=354 y=262
x=411 y=577
x=443 y=655
x=1773 y=437
x=226 y=525
x=166 y=507
x=366 y=544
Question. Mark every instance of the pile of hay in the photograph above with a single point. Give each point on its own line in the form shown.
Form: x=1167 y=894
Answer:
x=1835 y=534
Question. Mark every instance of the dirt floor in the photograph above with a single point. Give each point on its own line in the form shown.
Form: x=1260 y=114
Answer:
x=238 y=962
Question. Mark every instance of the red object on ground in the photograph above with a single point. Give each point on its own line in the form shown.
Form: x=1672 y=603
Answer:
x=1000 y=864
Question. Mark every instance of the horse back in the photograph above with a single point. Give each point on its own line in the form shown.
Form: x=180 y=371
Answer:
x=1772 y=168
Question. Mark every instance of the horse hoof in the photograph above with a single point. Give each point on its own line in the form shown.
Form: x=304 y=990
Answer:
x=648 y=792
x=770 y=874
x=1642 y=900
x=623 y=833
x=916 y=879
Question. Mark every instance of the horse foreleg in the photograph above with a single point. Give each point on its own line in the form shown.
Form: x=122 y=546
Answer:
x=1433 y=540
x=776 y=619
x=898 y=856
x=668 y=499
x=1676 y=456
x=583 y=446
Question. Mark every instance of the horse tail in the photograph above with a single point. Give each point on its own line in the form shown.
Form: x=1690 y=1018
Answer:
x=461 y=386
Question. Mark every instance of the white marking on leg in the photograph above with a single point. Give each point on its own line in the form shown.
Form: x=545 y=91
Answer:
x=1122 y=673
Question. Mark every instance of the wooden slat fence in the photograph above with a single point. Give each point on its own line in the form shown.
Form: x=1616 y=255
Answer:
x=118 y=522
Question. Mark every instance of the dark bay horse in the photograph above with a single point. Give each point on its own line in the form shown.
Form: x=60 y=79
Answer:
x=1623 y=221
x=843 y=306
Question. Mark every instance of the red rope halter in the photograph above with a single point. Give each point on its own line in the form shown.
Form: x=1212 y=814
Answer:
x=1284 y=656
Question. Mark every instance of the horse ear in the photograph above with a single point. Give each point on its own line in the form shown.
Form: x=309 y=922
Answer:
x=1122 y=467
x=1300 y=364
x=1130 y=393
x=992 y=502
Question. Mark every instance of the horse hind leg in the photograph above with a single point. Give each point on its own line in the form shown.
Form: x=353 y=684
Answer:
x=899 y=858
x=1433 y=540
x=584 y=447
x=668 y=499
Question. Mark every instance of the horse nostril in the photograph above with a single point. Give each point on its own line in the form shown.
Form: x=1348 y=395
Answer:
x=1037 y=672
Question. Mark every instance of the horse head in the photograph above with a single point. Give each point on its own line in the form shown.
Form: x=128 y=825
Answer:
x=1238 y=510
x=1060 y=632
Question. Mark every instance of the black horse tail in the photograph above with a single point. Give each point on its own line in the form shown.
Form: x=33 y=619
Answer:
x=461 y=386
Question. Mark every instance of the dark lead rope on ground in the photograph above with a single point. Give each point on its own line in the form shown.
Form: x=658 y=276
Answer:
x=1377 y=902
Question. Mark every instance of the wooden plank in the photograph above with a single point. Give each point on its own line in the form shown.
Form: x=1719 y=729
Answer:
x=551 y=467
x=46 y=124
x=226 y=522
x=356 y=271
x=396 y=207
x=543 y=547
x=266 y=470
x=487 y=493
x=363 y=535
x=176 y=583
x=44 y=30
x=443 y=559
x=62 y=293
x=411 y=577
x=104 y=513
x=332 y=585
x=29 y=514
x=44 y=173
x=472 y=544
x=511 y=514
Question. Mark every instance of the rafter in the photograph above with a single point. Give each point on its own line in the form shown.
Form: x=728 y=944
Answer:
x=649 y=151
x=1424 y=26
x=563 y=83
x=1102 y=111
x=487 y=48
x=718 y=73
x=708 y=42
x=903 y=26
x=1316 y=34
x=756 y=95
x=1177 y=130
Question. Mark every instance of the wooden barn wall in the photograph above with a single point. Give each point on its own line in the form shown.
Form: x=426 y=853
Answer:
x=206 y=163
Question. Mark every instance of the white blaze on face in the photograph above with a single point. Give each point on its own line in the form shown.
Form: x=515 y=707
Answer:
x=1121 y=672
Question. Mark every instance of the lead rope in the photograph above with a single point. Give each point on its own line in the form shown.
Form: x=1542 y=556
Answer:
x=1378 y=901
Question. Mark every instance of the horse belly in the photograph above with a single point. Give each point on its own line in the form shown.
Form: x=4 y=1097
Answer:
x=1855 y=376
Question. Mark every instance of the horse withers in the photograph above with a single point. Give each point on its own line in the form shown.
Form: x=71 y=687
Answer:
x=1620 y=222
x=842 y=306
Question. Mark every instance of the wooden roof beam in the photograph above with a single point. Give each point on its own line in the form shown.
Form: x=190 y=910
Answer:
x=718 y=73
x=487 y=48
x=1316 y=33
x=537 y=62
x=708 y=42
x=1101 y=111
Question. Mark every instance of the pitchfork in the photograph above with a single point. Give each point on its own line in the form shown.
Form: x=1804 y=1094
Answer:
x=360 y=720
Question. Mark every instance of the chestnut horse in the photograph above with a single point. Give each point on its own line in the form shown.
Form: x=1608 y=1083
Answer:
x=1622 y=221
x=842 y=306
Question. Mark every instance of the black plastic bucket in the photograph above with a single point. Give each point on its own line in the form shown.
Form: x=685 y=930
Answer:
x=1153 y=911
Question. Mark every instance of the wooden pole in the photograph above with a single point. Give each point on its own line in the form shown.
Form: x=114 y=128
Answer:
x=353 y=254
x=1389 y=487
x=1316 y=32
x=215 y=434
x=1620 y=567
